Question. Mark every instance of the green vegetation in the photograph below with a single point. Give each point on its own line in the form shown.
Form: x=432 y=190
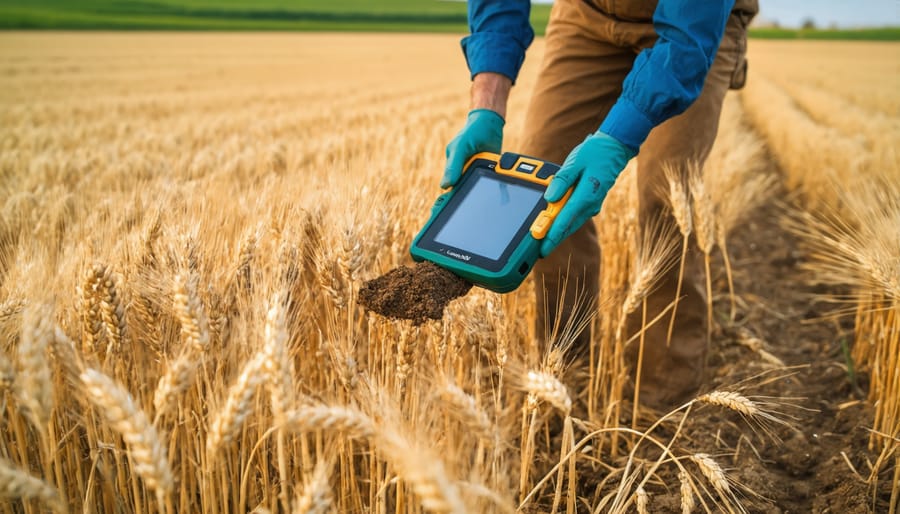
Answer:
x=872 y=34
x=363 y=15
x=350 y=15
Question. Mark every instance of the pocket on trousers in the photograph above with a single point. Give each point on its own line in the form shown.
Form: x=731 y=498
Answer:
x=735 y=40
x=739 y=75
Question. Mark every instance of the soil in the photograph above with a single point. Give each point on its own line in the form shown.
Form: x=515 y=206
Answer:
x=415 y=293
x=802 y=466
x=805 y=465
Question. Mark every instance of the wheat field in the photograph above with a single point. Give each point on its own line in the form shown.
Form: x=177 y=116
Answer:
x=186 y=219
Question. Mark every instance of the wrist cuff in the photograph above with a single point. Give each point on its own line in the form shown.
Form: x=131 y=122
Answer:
x=627 y=124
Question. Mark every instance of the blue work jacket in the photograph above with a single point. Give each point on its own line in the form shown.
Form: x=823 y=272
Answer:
x=664 y=81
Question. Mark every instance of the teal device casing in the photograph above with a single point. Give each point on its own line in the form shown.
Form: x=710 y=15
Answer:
x=506 y=273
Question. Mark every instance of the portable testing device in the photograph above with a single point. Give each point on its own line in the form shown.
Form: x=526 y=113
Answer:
x=488 y=228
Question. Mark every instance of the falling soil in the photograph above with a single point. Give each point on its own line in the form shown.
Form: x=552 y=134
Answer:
x=418 y=293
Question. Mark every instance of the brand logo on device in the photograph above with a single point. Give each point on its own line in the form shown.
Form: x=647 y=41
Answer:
x=459 y=256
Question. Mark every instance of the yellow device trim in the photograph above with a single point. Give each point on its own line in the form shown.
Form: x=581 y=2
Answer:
x=488 y=156
x=530 y=176
x=545 y=219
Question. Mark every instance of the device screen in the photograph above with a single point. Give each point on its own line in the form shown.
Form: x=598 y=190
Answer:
x=488 y=217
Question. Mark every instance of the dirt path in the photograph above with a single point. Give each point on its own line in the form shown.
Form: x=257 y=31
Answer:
x=807 y=467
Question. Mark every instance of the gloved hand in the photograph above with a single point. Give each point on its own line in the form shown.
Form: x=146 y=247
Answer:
x=593 y=167
x=483 y=132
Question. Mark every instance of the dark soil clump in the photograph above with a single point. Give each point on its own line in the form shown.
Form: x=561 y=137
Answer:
x=418 y=294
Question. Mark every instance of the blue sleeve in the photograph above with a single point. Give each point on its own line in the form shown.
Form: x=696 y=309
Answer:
x=668 y=77
x=500 y=34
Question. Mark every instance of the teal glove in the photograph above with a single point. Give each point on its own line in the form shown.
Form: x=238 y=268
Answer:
x=592 y=167
x=483 y=133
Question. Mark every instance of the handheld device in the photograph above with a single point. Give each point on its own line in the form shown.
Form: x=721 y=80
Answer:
x=488 y=228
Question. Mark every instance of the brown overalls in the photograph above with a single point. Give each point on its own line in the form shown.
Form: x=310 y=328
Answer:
x=590 y=48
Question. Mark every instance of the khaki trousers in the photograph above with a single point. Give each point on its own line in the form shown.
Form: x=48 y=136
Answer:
x=590 y=48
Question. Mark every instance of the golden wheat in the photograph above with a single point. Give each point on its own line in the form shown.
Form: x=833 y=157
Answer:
x=217 y=229
x=16 y=484
x=144 y=443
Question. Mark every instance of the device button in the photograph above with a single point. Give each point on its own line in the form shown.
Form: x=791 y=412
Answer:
x=546 y=171
x=439 y=203
x=508 y=160
x=540 y=225
x=526 y=167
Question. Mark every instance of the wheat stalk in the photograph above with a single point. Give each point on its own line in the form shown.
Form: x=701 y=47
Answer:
x=145 y=446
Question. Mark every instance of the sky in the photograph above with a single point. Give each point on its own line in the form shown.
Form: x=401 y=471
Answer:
x=843 y=13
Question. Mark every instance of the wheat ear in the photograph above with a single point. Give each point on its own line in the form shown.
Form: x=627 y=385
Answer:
x=464 y=405
x=687 y=493
x=642 y=500
x=112 y=311
x=179 y=376
x=16 y=484
x=731 y=400
x=681 y=210
x=704 y=222
x=238 y=405
x=713 y=472
x=547 y=387
x=195 y=332
x=316 y=496
x=190 y=314
x=34 y=386
x=91 y=322
x=118 y=407
x=7 y=375
x=347 y=421
x=423 y=471
x=277 y=361
x=10 y=308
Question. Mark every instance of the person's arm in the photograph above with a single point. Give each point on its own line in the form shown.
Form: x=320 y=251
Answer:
x=500 y=33
x=668 y=77
x=495 y=50
x=664 y=81
x=490 y=91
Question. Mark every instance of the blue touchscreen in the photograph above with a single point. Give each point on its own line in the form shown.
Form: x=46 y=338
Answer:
x=487 y=219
